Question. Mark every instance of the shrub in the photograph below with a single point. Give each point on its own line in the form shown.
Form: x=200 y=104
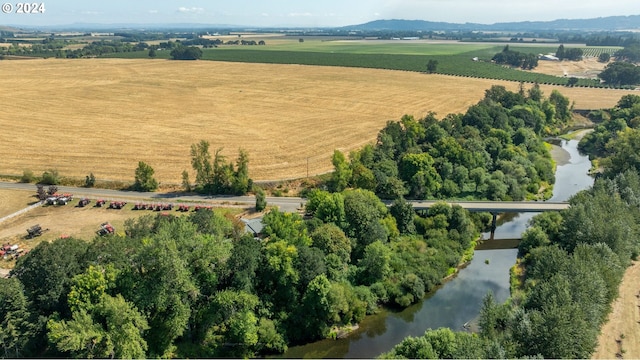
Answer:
x=27 y=177
x=50 y=177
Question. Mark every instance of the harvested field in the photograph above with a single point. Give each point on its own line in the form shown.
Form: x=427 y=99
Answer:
x=15 y=200
x=105 y=115
x=624 y=320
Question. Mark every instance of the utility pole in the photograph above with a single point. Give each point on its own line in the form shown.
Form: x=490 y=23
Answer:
x=307 y=167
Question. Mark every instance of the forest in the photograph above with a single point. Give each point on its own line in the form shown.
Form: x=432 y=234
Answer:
x=198 y=286
x=570 y=263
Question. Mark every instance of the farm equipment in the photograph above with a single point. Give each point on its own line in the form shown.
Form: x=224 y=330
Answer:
x=106 y=229
x=59 y=199
x=183 y=208
x=83 y=202
x=35 y=230
x=202 y=207
x=9 y=252
x=139 y=206
x=100 y=203
x=117 y=205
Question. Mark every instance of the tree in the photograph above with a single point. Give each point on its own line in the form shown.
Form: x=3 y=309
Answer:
x=404 y=213
x=90 y=180
x=201 y=163
x=341 y=173
x=186 y=53
x=15 y=328
x=144 y=180
x=261 y=199
x=332 y=240
x=604 y=57
x=241 y=181
x=620 y=73
x=375 y=263
x=46 y=273
x=432 y=66
x=286 y=226
x=186 y=183
x=152 y=53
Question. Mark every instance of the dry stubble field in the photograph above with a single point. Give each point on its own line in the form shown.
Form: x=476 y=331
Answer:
x=105 y=115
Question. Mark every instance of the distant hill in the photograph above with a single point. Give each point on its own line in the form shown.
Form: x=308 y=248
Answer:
x=611 y=23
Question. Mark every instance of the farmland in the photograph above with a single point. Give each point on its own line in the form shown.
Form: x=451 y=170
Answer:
x=105 y=115
x=453 y=58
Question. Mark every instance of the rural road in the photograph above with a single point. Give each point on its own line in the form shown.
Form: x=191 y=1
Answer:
x=290 y=204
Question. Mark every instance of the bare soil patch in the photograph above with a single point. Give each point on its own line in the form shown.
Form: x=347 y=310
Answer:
x=588 y=68
x=105 y=115
x=623 y=324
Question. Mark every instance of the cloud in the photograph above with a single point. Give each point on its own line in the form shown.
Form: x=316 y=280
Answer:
x=89 y=12
x=153 y=11
x=264 y=15
x=191 y=10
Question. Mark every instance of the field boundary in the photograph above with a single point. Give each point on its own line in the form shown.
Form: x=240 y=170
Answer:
x=20 y=212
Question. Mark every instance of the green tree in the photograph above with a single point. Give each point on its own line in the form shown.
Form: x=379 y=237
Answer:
x=144 y=180
x=375 y=263
x=90 y=180
x=46 y=273
x=241 y=181
x=201 y=163
x=341 y=173
x=16 y=331
x=152 y=53
x=404 y=213
x=620 y=73
x=261 y=199
x=331 y=240
x=286 y=226
x=532 y=238
x=432 y=66
x=160 y=285
x=604 y=57
x=186 y=53
x=186 y=183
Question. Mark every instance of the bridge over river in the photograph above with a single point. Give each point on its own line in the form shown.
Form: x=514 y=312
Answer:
x=499 y=207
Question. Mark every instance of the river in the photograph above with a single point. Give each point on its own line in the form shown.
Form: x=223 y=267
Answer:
x=459 y=300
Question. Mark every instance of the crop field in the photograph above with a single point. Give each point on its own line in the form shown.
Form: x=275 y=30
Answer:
x=105 y=115
x=454 y=58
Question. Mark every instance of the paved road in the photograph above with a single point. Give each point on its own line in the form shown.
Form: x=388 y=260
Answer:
x=285 y=203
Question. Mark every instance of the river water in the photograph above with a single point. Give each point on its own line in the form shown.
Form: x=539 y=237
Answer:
x=459 y=300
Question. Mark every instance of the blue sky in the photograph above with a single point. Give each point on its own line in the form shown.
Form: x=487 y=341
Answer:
x=313 y=13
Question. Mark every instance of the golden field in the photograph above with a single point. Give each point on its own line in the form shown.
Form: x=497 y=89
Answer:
x=105 y=115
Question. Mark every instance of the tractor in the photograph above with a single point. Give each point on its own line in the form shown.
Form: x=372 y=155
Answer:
x=83 y=202
x=106 y=229
x=34 y=231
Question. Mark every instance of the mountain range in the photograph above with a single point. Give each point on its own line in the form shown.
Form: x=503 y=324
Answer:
x=610 y=23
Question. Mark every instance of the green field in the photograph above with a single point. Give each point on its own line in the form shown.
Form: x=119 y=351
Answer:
x=453 y=58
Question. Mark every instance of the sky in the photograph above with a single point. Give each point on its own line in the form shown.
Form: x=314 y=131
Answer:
x=309 y=13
